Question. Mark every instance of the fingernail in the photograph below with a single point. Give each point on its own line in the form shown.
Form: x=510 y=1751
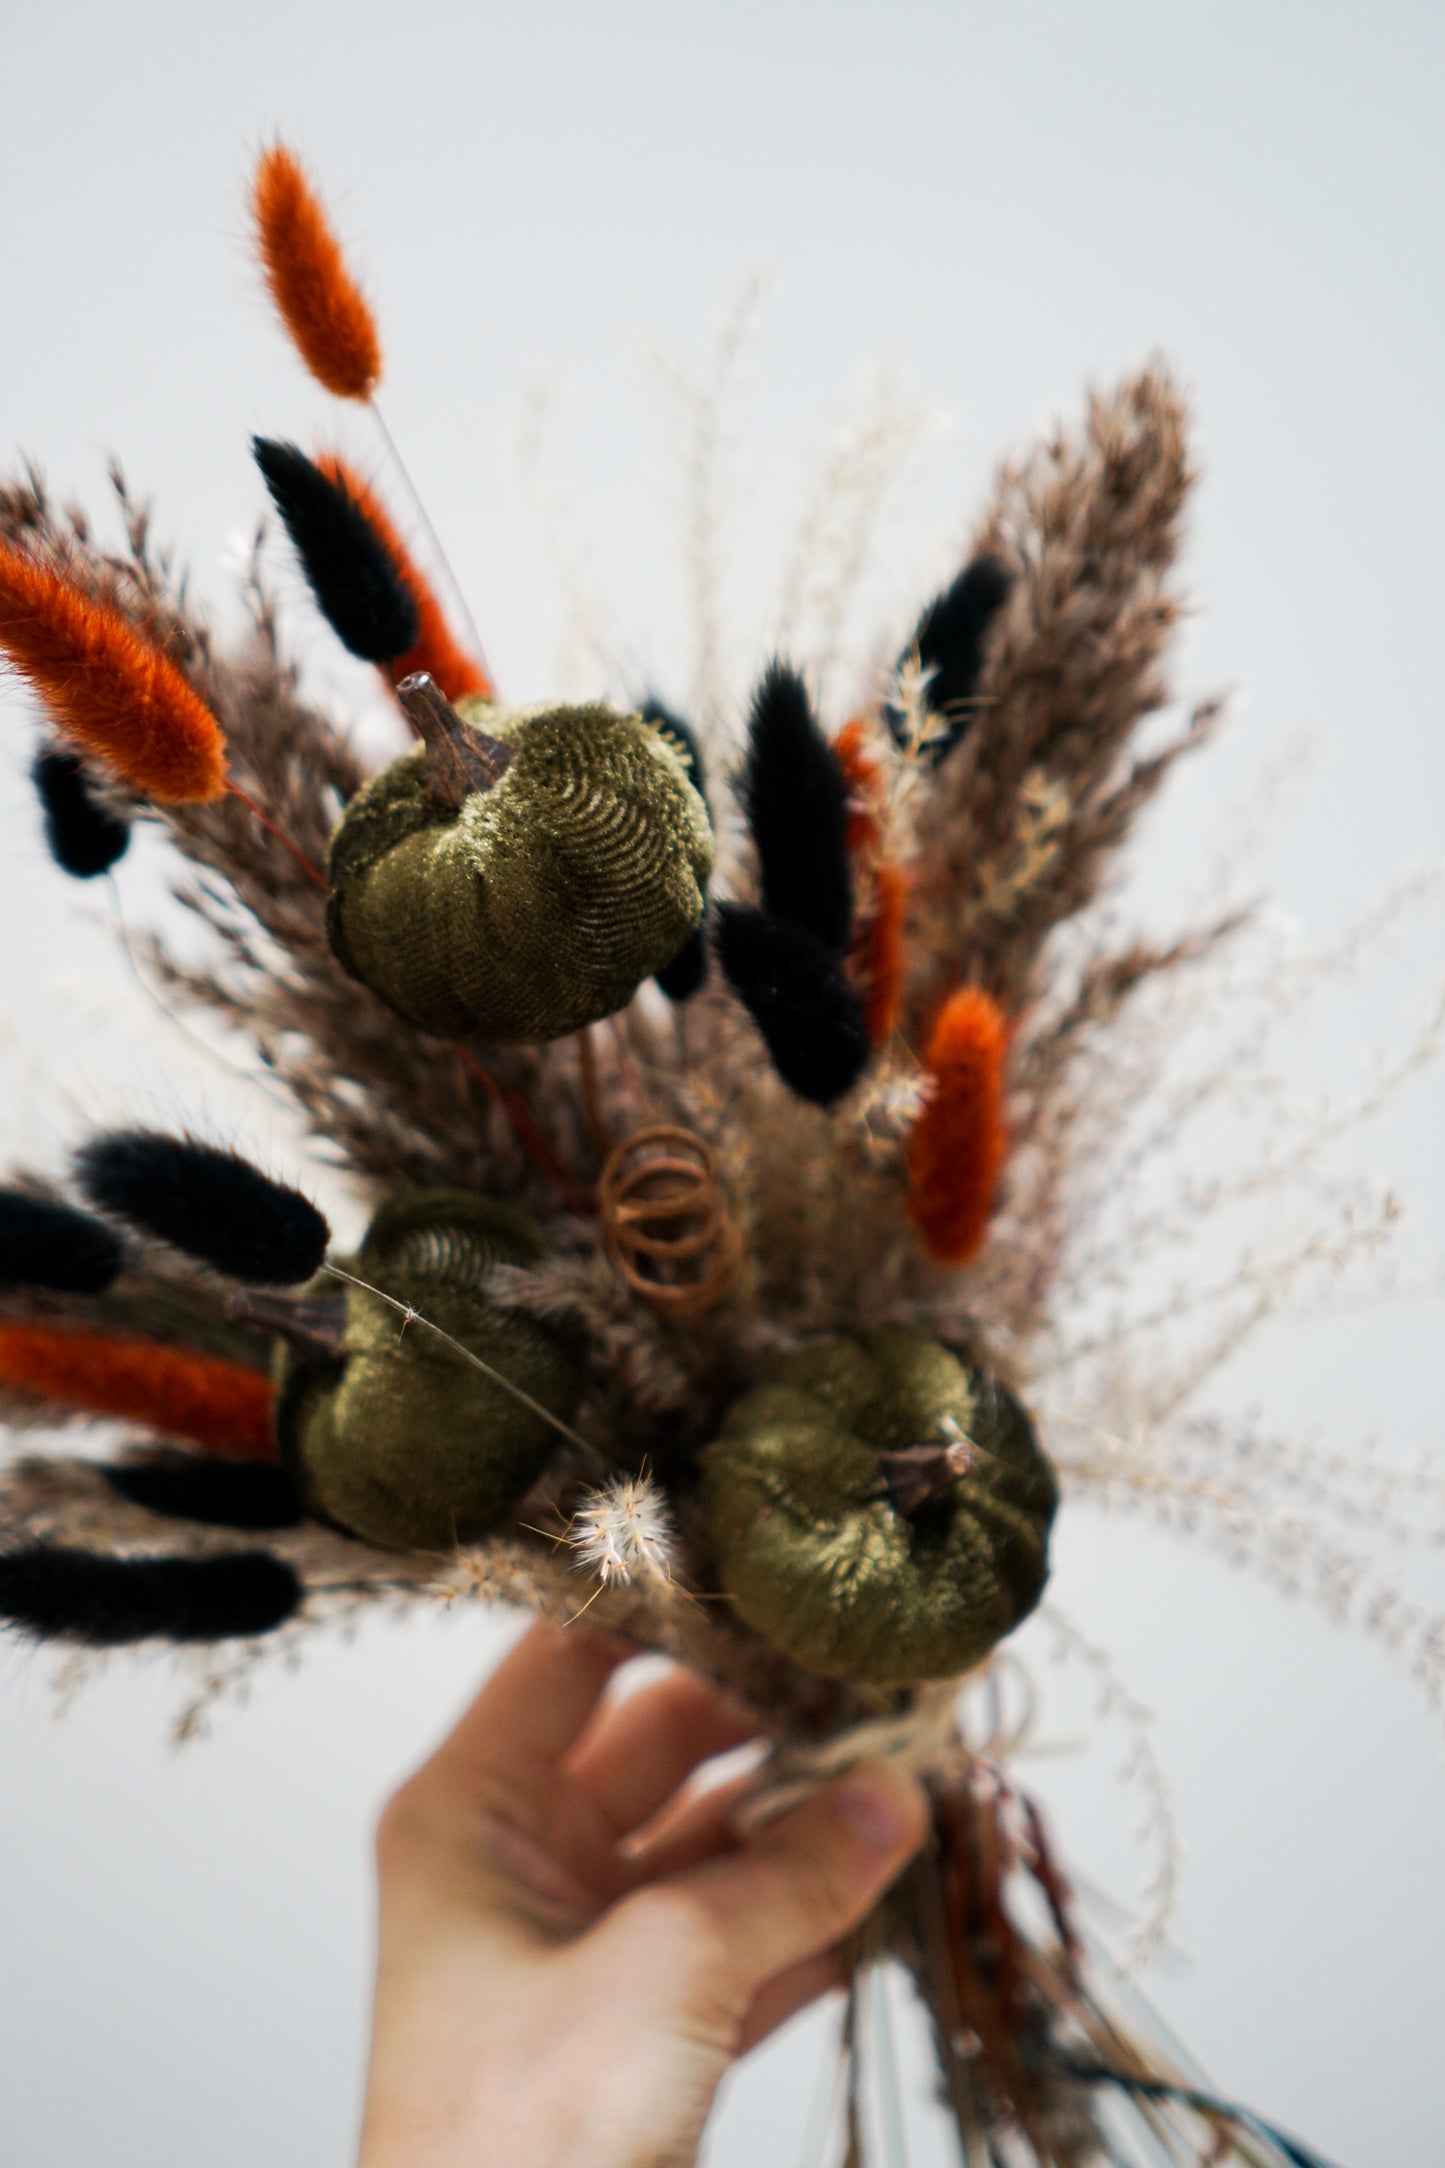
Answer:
x=875 y=1811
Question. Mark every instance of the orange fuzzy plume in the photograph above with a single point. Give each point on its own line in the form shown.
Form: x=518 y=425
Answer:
x=214 y=1404
x=959 y=1141
x=877 y=956
x=317 y=299
x=860 y=773
x=436 y=651
x=107 y=687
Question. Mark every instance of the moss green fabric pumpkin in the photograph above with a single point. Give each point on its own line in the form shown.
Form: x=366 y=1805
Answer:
x=401 y=1441
x=811 y=1547
x=539 y=904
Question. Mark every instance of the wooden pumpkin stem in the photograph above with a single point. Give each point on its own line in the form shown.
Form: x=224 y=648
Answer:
x=460 y=758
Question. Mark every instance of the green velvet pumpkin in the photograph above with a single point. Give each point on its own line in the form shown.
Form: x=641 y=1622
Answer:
x=811 y=1547
x=401 y=1441
x=538 y=904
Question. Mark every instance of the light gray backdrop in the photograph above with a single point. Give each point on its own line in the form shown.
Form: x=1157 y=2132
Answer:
x=1007 y=202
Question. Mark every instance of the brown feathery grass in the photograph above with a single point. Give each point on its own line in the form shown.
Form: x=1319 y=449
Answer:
x=317 y=299
x=1018 y=827
x=436 y=651
x=106 y=686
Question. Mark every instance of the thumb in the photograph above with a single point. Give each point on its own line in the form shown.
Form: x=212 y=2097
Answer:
x=721 y=1931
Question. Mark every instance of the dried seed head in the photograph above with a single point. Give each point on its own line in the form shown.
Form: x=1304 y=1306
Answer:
x=623 y=1529
x=107 y=687
x=317 y=299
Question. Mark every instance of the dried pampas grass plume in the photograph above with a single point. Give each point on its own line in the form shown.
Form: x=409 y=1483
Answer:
x=320 y=303
x=436 y=650
x=107 y=687
x=219 y=1405
x=959 y=1140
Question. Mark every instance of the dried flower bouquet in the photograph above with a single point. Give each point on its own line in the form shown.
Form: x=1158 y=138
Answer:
x=741 y=1136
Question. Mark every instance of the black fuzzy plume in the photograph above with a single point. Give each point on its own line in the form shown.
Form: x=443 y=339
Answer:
x=685 y=975
x=85 y=837
x=687 y=972
x=795 y=991
x=210 y=1203
x=43 y=1244
x=59 y=1594
x=217 y=1493
x=949 y=641
x=797 y=806
x=357 y=584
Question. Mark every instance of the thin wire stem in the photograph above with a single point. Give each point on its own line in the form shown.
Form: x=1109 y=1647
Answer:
x=413 y=1316
x=890 y=2091
x=443 y=561
x=308 y=866
x=593 y=1110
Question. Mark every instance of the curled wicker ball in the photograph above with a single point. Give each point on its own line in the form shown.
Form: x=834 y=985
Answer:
x=401 y=1441
x=666 y=1224
x=880 y=1509
x=538 y=904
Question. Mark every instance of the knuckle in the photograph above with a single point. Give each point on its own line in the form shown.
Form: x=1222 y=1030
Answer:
x=400 y=1829
x=682 y=1931
x=828 y=1899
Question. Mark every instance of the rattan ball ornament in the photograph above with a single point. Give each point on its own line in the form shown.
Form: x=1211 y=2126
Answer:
x=396 y=1437
x=666 y=1223
x=880 y=1509
x=521 y=872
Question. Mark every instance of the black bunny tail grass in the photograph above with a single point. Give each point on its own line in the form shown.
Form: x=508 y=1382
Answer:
x=687 y=973
x=359 y=588
x=797 y=806
x=84 y=837
x=58 y=1594
x=49 y=1245
x=214 y=1493
x=948 y=641
x=210 y=1203
x=795 y=991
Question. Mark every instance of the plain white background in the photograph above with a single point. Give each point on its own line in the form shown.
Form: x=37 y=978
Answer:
x=1003 y=205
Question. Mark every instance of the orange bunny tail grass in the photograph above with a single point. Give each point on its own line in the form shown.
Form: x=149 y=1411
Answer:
x=861 y=774
x=209 y=1402
x=316 y=297
x=436 y=651
x=106 y=687
x=876 y=960
x=959 y=1140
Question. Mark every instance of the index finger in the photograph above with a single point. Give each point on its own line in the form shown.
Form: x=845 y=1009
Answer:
x=532 y=1709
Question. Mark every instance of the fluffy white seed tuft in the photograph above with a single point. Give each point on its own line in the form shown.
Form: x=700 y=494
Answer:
x=623 y=1528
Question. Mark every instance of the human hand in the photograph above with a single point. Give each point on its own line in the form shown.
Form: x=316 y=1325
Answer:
x=573 y=1947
